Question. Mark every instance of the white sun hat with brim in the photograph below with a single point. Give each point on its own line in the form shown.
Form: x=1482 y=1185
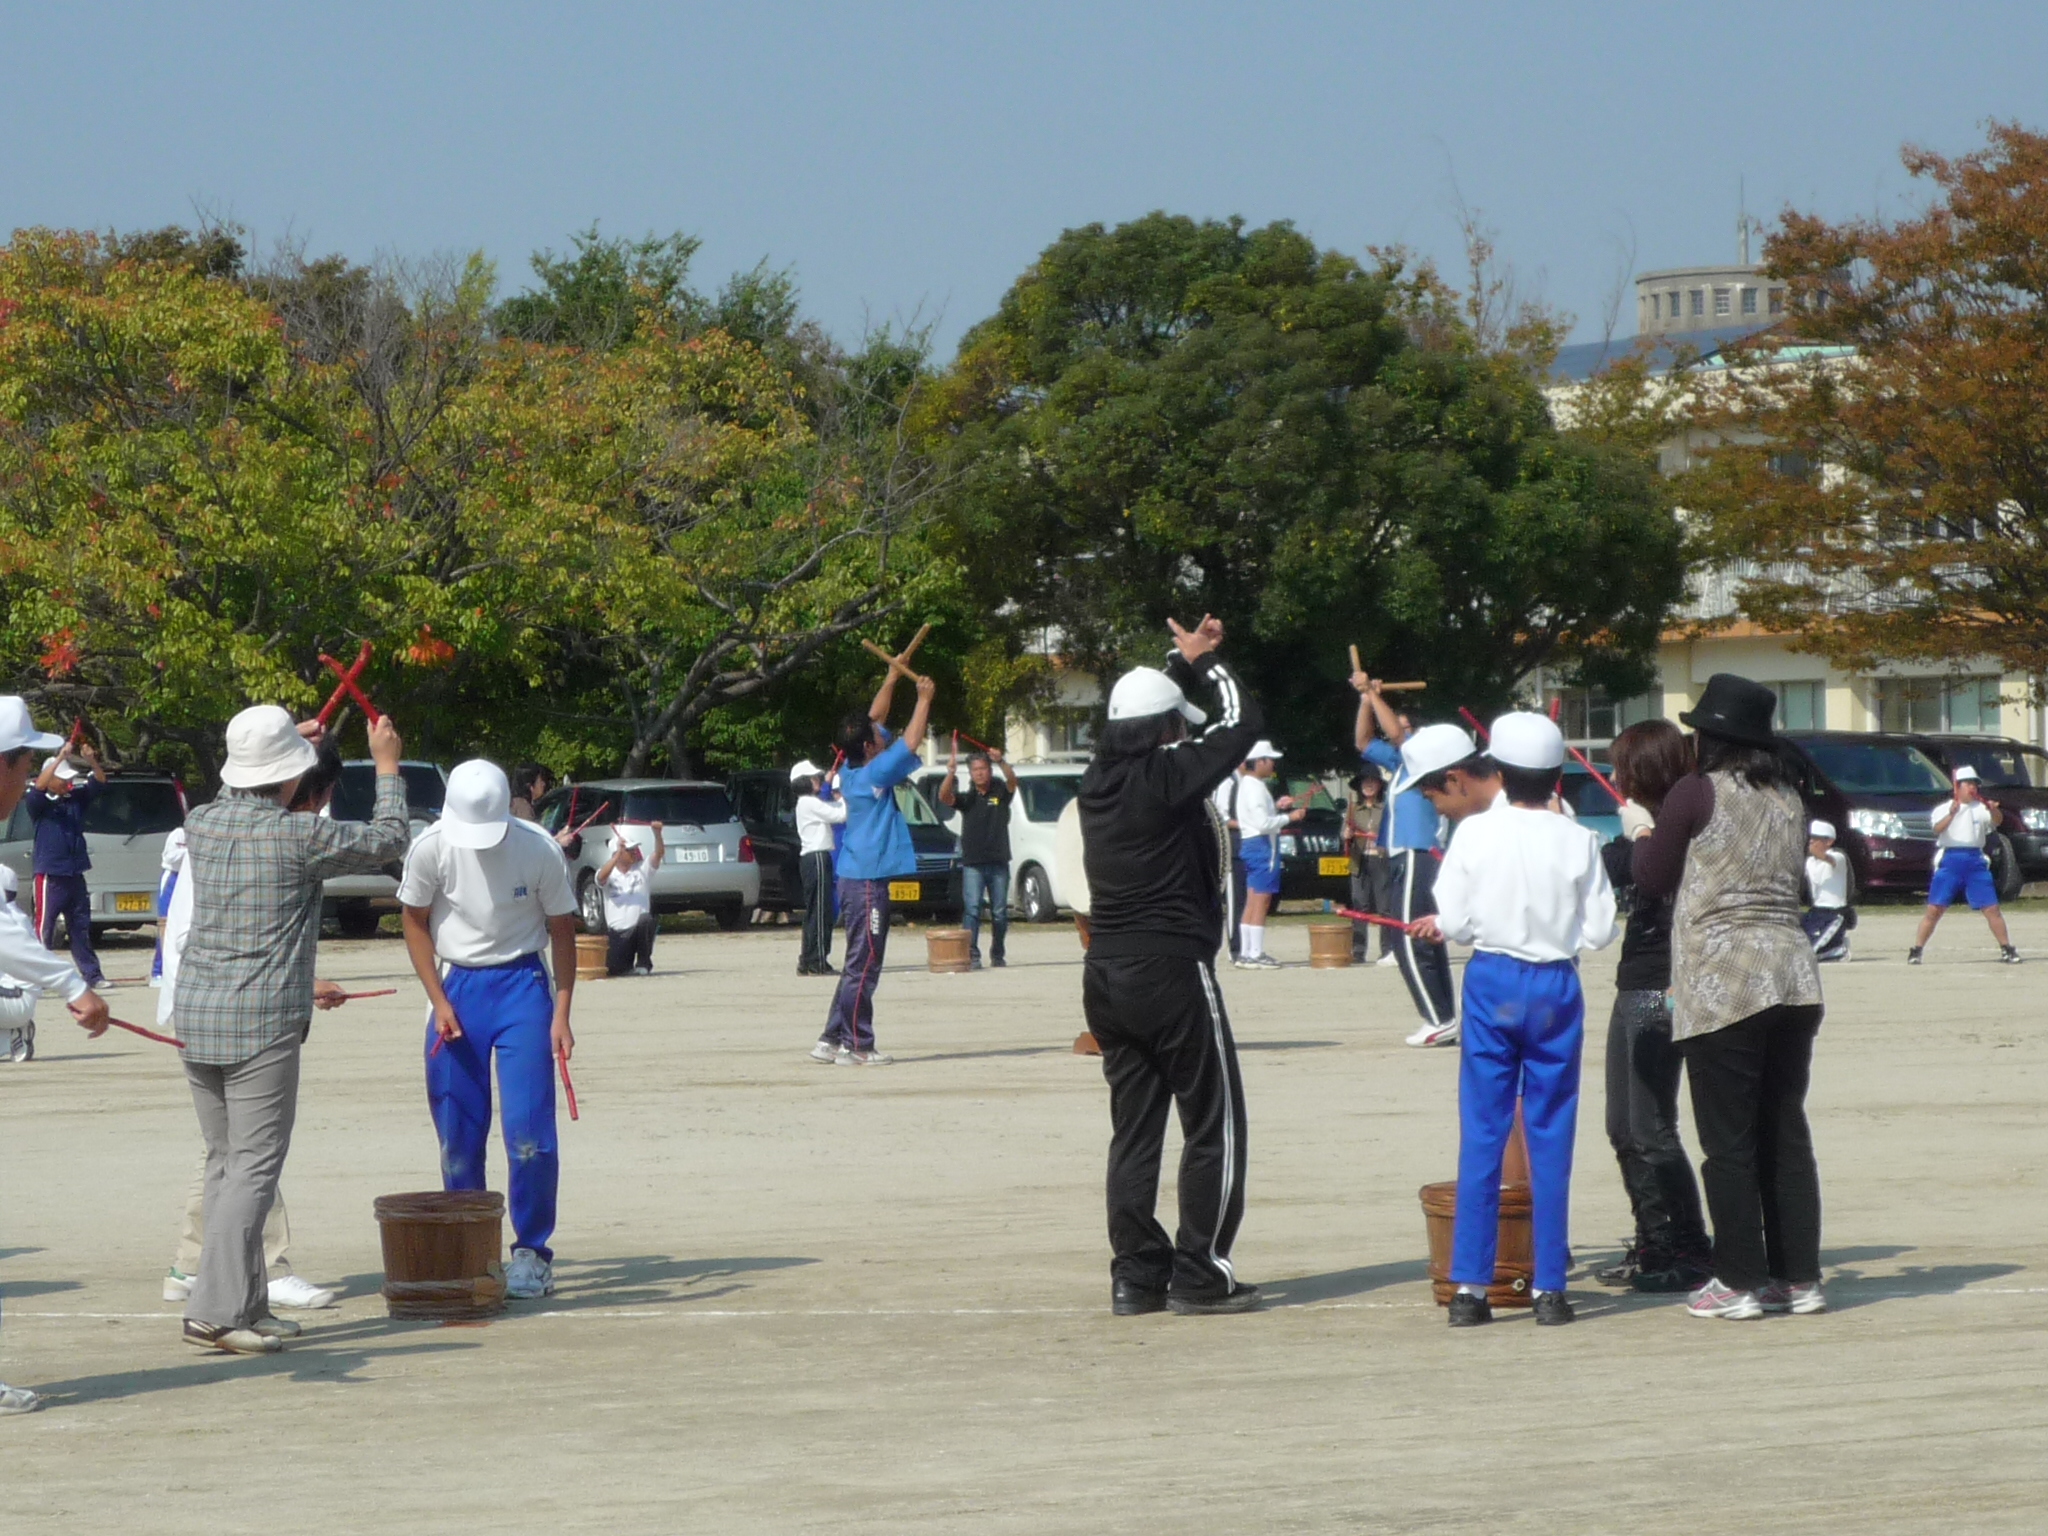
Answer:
x=1824 y=829
x=1145 y=691
x=1432 y=748
x=65 y=768
x=477 y=811
x=265 y=748
x=805 y=769
x=1263 y=748
x=1525 y=740
x=1965 y=773
x=18 y=730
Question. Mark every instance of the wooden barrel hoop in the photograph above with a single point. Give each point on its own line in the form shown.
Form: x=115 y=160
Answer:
x=946 y=949
x=443 y=1253
x=1329 y=946
x=1514 y=1263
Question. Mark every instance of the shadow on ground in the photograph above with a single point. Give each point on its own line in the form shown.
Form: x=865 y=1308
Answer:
x=1306 y=1290
x=641 y=1281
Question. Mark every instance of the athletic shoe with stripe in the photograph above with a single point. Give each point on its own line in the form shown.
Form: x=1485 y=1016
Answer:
x=296 y=1295
x=826 y=1052
x=529 y=1276
x=866 y=1059
x=1435 y=1034
x=18 y=1399
x=1256 y=963
x=1717 y=1300
x=1783 y=1296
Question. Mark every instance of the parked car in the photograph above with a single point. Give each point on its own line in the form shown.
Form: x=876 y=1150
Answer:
x=1880 y=791
x=1313 y=863
x=1591 y=804
x=766 y=801
x=125 y=828
x=356 y=902
x=2013 y=776
x=1043 y=790
x=710 y=864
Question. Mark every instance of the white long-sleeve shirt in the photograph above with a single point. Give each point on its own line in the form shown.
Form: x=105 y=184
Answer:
x=1527 y=884
x=1257 y=816
x=24 y=959
x=815 y=820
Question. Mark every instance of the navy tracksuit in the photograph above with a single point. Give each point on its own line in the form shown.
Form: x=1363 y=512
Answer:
x=61 y=861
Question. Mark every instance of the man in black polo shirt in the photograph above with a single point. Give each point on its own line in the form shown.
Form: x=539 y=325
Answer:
x=984 y=809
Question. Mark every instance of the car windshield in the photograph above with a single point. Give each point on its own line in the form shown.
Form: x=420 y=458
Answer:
x=915 y=808
x=134 y=807
x=1046 y=795
x=1582 y=792
x=691 y=805
x=2002 y=766
x=356 y=795
x=1877 y=767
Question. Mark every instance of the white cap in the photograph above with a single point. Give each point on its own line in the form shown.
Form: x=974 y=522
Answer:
x=264 y=748
x=1824 y=829
x=66 y=769
x=1262 y=748
x=805 y=769
x=17 y=730
x=478 y=807
x=1965 y=772
x=1431 y=748
x=1144 y=691
x=1525 y=740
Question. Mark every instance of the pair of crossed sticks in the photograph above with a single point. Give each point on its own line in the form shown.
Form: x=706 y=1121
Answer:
x=900 y=661
x=350 y=687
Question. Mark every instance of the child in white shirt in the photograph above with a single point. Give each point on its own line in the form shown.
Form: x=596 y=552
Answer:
x=17 y=998
x=1828 y=921
x=820 y=813
x=1961 y=872
x=627 y=880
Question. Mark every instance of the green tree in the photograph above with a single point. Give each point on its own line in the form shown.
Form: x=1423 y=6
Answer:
x=602 y=292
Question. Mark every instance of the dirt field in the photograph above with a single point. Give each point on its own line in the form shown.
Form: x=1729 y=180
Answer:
x=797 y=1297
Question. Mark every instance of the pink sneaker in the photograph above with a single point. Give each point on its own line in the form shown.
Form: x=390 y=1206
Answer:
x=1716 y=1300
x=1783 y=1296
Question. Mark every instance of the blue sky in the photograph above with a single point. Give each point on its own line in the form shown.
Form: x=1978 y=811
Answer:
x=912 y=158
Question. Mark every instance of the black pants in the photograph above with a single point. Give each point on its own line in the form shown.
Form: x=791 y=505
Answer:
x=1369 y=888
x=1235 y=916
x=1425 y=967
x=817 y=878
x=1642 y=1126
x=1749 y=1103
x=630 y=947
x=1165 y=1041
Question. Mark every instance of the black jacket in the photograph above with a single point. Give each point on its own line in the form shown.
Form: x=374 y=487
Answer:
x=1646 y=941
x=1155 y=847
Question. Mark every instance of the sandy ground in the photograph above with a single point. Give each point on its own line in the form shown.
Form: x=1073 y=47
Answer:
x=797 y=1297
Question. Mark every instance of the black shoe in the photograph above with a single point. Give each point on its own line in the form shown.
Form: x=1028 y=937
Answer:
x=974 y=962
x=824 y=968
x=1208 y=1303
x=1665 y=1274
x=1469 y=1311
x=1624 y=1272
x=998 y=963
x=2006 y=952
x=1552 y=1309
x=1913 y=955
x=1129 y=1299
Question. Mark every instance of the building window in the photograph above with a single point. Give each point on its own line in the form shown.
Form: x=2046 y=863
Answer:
x=1777 y=301
x=1589 y=715
x=1802 y=706
x=1722 y=304
x=1699 y=301
x=1656 y=307
x=1671 y=305
x=1749 y=301
x=1939 y=704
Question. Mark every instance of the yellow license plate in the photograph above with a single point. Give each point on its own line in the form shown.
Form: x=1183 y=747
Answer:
x=1338 y=865
x=905 y=890
x=133 y=901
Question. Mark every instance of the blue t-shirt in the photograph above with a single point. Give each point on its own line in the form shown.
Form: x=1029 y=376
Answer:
x=60 y=828
x=1415 y=823
x=875 y=844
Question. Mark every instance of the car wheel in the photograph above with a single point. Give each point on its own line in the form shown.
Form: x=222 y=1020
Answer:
x=590 y=902
x=730 y=919
x=1034 y=896
x=2005 y=866
x=356 y=919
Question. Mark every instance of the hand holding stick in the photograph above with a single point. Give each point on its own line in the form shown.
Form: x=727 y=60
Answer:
x=562 y=1060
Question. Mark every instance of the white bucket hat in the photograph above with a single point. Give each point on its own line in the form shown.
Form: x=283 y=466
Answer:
x=1145 y=691
x=1429 y=749
x=17 y=730
x=1262 y=748
x=1966 y=772
x=1824 y=829
x=805 y=769
x=66 y=769
x=478 y=809
x=264 y=748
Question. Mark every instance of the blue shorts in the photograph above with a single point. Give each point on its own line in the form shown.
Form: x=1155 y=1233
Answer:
x=1261 y=866
x=1962 y=873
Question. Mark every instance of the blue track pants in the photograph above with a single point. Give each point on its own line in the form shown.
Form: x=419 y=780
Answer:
x=1524 y=1024
x=508 y=1010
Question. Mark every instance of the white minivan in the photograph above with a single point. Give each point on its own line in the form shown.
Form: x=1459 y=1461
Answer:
x=1043 y=790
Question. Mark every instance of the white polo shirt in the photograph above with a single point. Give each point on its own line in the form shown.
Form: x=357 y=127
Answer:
x=627 y=898
x=1523 y=883
x=488 y=906
x=1968 y=828
x=815 y=820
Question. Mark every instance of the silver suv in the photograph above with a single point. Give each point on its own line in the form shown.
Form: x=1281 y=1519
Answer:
x=125 y=828
x=356 y=902
x=710 y=864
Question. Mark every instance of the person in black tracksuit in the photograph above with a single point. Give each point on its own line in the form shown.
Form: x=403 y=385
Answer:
x=1155 y=855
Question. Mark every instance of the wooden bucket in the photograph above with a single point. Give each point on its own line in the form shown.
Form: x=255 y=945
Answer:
x=1514 y=1265
x=443 y=1253
x=1329 y=946
x=946 y=949
x=591 y=949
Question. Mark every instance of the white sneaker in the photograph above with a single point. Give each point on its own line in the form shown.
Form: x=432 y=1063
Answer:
x=1256 y=963
x=866 y=1059
x=1435 y=1034
x=528 y=1275
x=18 y=1399
x=296 y=1295
x=1389 y=958
x=825 y=1051
x=177 y=1287
x=1783 y=1296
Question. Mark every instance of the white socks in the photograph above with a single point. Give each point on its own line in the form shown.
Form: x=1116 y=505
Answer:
x=1251 y=941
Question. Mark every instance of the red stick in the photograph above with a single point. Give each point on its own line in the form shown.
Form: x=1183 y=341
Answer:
x=1556 y=703
x=1575 y=752
x=147 y=1034
x=972 y=742
x=1473 y=720
x=348 y=685
x=586 y=821
x=563 y=1058
x=439 y=1041
x=77 y=730
x=349 y=997
x=1372 y=917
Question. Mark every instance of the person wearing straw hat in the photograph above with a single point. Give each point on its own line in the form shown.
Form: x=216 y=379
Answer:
x=819 y=815
x=63 y=793
x=1156 y=852
x=1829 y=917
x=1525 y=887
x=23 y=956
x=483 y=894
x=1961 y=872
x=244 y=998
x=1260 y=819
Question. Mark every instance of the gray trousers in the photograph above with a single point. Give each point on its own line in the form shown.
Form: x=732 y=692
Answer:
x=277 y=1230
x=245 y=1114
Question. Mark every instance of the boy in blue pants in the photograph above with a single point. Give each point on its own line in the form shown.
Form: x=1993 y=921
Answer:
x=1525 y=887
x=483 y=895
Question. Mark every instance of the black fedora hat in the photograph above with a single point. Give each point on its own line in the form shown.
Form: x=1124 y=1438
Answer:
x=1735 y=709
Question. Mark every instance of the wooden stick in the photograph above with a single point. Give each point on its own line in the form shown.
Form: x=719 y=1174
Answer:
x=1355 y=667
x=916 y=640
x=563 y=1058
x=1402 y=687
x=147 y=1034
x=893 y=661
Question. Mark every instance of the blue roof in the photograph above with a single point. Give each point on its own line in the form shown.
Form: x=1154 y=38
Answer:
x=1581 y=360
